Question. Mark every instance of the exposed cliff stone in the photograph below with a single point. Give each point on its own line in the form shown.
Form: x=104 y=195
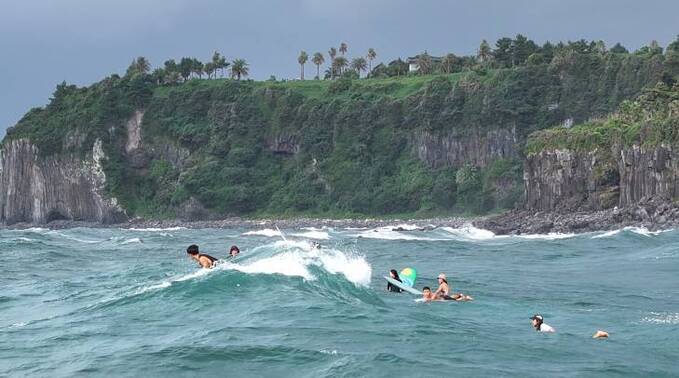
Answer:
x=648 y=173
x=566 y=180
x=39 y=190
x=560 y=179
x=283 y=144
x=477 y=148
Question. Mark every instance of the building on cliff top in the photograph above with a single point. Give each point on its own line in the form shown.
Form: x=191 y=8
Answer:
x=412 y=61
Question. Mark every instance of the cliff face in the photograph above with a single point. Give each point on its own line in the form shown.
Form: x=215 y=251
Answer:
x=38 y=190
x=478 y=148
x=647 y=173
x=567 y=180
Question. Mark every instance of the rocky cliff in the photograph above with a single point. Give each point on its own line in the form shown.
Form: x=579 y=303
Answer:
x=37 y=190
x=628 y=159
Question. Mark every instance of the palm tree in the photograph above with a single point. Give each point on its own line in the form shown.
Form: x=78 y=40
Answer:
x=209 y=69
x=318 y=59
x=343 y=48
x=197 y=67
x=339 y=64
x=140 y=65
x=302 y=59
x=222 y=64
x=371 y=56
x=485 y=53
x=217 y=60
x=359 y=65
x=448 y=62
x=424 y=63
x=239 y=68
x=332 y=53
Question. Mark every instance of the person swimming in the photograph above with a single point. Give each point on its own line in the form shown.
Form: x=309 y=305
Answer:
x=204 y=260
x=539 y=324
x=427 y=295
x=233 y=251
x=391 y=287
x=443 y=291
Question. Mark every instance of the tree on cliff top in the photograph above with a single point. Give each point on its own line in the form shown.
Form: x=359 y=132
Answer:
x=302 y=59
x=359 y=65
x=239 y=68
x=371 y=56
x=318 y=59
x=343 y=48
x=140 y=65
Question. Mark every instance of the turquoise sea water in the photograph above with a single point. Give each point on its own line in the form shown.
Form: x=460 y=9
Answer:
x=109 y=302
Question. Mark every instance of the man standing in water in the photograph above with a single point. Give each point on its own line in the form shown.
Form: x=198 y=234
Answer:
x=204 y=260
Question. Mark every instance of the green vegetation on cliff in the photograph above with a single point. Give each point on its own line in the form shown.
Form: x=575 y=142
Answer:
x=379 y=146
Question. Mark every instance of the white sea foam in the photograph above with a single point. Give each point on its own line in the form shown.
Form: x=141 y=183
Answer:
x=265 y=232
x=549 y=236
x=636 y=230
x=69 y=237
x=298 y=256
x=661 y=318
x=313 y=234
x=644 y=231
x=152 y=229
x=470 y=232
x=606 y=234
x=388 y=233
x=131 y=241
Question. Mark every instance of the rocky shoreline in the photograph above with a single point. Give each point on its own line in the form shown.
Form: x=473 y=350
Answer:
x=652 y=214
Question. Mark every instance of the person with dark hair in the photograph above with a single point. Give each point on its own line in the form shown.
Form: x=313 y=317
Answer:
x=391 y=287
x=204 y=260
x=427 y=295
x=233 y=251
x=539 y=324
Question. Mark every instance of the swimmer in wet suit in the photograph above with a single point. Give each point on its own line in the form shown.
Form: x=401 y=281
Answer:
x=205 y=261
x=393 y=288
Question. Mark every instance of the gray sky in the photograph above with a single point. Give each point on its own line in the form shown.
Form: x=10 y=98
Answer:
x=44 y=42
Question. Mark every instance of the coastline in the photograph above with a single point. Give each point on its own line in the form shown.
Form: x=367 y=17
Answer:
x=652 y=215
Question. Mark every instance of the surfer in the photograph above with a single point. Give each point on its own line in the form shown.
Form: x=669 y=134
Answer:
x=204 y=260
x=538 y=323
x=391 y=287
x=233 y=251
x=443 y=291
x=427 y=295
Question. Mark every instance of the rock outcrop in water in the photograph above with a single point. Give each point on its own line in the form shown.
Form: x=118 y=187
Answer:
x=37 y=190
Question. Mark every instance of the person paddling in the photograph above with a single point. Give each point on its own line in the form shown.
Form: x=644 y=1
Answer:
x=204 y=260
x=391 y=287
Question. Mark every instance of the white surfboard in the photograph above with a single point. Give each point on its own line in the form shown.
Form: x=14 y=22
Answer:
x=400 y=285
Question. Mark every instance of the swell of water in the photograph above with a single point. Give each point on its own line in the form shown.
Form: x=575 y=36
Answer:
x=125 y=302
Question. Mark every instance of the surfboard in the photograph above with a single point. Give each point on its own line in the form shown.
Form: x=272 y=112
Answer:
x=402 y=286
x=408 y=276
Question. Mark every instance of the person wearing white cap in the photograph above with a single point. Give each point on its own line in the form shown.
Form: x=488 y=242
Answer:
x=443 y=291
x=538 y=323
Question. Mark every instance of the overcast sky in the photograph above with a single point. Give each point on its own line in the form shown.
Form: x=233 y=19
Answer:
x=44 y=42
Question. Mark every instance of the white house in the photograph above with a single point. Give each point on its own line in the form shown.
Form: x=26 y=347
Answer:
x=412 y=61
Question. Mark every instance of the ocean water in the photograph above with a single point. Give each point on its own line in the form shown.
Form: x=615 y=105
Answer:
x=111 y=302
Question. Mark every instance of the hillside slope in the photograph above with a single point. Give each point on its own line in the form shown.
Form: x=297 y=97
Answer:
x=213 y=148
